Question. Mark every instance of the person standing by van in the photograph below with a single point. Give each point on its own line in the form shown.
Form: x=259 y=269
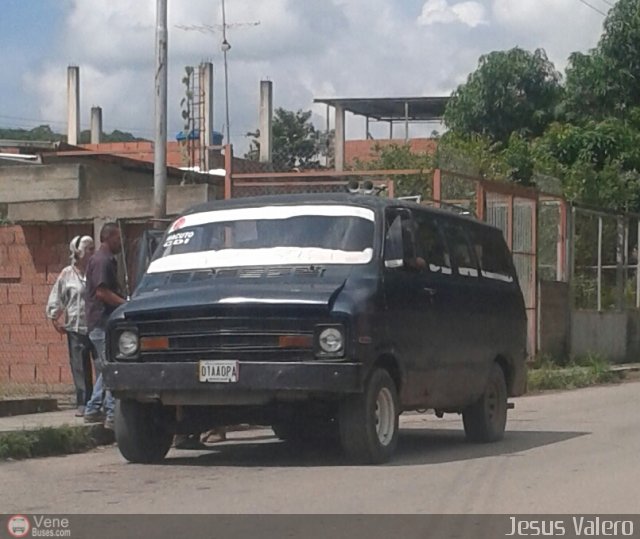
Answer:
x=67 y=299
x=102 y=298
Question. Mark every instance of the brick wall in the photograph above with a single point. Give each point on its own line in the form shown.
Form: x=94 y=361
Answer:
x=142 y=150
x=32 y=354
x=364 y=150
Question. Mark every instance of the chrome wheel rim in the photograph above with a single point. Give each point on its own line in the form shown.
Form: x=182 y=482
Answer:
x=385 y=416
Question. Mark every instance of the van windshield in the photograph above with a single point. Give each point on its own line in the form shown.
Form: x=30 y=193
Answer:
x=267 y=236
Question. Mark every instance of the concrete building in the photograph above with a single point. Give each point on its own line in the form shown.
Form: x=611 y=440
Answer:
x=46 y=198
x=393 y=111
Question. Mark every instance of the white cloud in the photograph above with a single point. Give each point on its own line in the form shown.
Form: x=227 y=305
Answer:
x=558 y=26
x=439 y=11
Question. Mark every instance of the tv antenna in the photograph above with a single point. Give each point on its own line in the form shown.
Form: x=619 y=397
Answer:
x=225 y=47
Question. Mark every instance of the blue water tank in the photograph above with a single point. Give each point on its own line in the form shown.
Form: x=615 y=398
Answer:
x=194 y=134
x=216 y=138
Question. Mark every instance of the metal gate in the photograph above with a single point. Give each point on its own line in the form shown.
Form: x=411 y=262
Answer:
x=514 y=211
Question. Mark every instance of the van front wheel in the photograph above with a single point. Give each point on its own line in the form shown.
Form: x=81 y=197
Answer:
x=141 y=432
x=369 y=421
x=485 y=420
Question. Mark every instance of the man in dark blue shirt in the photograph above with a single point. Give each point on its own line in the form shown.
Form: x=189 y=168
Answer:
x=102 y=298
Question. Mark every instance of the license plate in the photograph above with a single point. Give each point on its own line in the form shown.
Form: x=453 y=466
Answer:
x=218 y=371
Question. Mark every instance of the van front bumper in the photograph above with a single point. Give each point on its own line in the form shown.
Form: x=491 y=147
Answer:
x=178 y=383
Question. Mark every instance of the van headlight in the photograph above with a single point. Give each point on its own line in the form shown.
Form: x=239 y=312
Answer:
x=331 y=341
x=128 y=343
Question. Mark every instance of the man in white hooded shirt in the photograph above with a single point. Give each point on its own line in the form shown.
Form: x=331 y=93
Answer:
x=66 y=301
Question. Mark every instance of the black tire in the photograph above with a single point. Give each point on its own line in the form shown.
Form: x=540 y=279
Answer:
x=287 y=431
x=485 y=420
x=141 y=433
x=306 y=430
x=361 y=416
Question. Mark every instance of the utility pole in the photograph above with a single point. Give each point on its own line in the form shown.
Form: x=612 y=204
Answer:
x=160 y=141
x=225 y=48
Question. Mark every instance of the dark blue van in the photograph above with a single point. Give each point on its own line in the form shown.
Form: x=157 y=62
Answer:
x=322 y=316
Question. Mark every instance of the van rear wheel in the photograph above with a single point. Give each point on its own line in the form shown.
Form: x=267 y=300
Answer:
x=369 y=421
x=485 y=420
x=141 y=432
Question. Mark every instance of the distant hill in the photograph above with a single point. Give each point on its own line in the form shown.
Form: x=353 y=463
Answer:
x=45 y=133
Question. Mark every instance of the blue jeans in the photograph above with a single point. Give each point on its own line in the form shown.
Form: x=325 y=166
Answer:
x=98 y=401
x=80 y=349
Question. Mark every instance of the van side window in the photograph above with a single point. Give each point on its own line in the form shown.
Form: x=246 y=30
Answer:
x=460 y=251
x=399 y=237
x=430 y=245
x=493 y=255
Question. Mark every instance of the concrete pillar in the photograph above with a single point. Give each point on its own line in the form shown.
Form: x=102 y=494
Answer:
x=266 y=120
x=339 y=137
x=96 y=125
x=206 y=129
x=406 y=121
x=73 y=104
x=620 y=262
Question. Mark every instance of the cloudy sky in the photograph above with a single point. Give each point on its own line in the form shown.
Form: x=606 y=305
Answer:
x=308 y=48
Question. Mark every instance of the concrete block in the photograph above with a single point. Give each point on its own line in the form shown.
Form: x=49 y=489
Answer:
x=7 y=235
x=22 y=334
x=603 y=333
x=20 y=294
x=31 y=183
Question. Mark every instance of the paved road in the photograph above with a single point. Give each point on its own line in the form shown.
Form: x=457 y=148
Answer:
x=565 y=452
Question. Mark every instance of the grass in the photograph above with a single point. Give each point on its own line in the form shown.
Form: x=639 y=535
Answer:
x=45 y=442
x=590 y=370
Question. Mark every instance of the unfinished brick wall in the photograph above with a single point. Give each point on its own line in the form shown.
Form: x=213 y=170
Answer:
x=365 y=150
x=32 y=354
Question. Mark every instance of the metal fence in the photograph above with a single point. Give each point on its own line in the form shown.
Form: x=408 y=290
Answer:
x=605 y=272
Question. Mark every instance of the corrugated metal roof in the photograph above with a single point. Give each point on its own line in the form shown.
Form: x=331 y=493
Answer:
x=392 y=108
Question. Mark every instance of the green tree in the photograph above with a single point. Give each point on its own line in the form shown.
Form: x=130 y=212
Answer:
x=510 y=91
x=400 y=157
x=605 y=82
x=598 y=162
x=296 y=141
x=472 y=154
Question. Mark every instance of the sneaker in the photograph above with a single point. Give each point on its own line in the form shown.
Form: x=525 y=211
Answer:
x=93 y=417
x=109 y=423
x=80 y=411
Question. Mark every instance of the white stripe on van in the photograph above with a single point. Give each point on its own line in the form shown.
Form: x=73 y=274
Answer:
x=274 y=256
x=497 y=276
x=270 y=213
x=468 y=272
x=235 y=300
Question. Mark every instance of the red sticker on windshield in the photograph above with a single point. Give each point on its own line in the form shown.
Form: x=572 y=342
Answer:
x=178 y=224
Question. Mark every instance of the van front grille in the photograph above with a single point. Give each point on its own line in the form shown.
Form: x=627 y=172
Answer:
x=216 y=337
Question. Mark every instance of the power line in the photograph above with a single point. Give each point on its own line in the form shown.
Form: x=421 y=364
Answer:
x=593 y=7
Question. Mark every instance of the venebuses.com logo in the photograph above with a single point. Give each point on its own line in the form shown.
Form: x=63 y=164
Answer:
x=18 y=526
x=38 y=526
